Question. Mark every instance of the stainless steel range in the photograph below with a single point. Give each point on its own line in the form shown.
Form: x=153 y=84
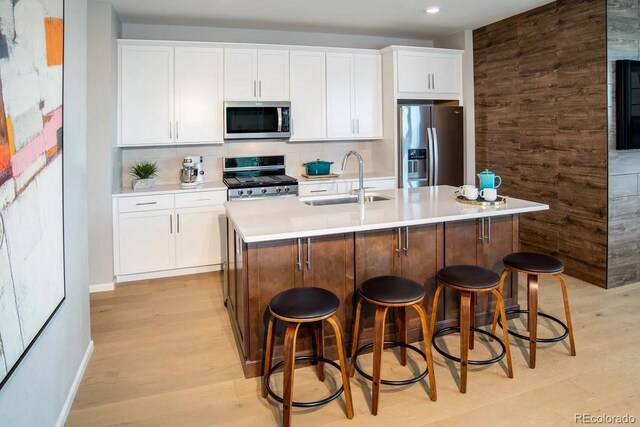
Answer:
x=255 y=177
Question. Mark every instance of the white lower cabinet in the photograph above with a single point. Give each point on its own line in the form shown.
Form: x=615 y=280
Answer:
x=158 y=234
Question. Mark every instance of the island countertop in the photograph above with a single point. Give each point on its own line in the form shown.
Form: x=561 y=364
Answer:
x=281 y=218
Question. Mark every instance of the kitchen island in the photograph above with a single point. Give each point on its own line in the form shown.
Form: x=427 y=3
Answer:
x=279 y=243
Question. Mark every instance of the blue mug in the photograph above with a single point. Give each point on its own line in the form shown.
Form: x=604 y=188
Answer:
x=487 y=179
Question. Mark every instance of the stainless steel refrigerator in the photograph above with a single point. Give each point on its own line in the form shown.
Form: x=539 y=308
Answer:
x=431 y=144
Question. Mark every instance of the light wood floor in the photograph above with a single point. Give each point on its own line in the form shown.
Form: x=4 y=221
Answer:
x=165 y=356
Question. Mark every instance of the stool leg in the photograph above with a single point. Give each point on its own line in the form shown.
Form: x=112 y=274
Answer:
x=378 y=344
x=434 y=310
x=472 y=320
x=465 y=311
x=505 y=332
x=268 y=353
x=567 y=313
x=335 y=324
x=532 y=292
x=427 y=350
x=496 y=313
x=318 y=335
x=289 y=367
x=402 y=329
x=354 y=339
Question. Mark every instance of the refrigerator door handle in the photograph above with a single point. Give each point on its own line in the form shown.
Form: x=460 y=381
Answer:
x=435 y=156
x=430 y=157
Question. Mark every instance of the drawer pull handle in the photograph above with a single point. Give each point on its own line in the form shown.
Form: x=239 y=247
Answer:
x=318 y=191
x=368 y=188
x=146 y=203
x=202 y=200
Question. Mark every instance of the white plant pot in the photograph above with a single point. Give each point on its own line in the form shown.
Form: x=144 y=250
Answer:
x=143 y=184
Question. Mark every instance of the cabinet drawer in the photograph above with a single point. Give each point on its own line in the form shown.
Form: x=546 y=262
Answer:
x=317 y=189
x=201 y=198
x=145 y=203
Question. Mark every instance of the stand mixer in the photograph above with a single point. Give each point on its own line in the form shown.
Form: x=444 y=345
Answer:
x=192 y=172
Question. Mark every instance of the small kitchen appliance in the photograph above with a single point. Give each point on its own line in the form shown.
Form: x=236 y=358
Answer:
x=257 y=120
x=192 y=172
x=487 y=179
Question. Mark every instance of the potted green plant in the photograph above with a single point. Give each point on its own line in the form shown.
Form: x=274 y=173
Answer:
x=143 y=175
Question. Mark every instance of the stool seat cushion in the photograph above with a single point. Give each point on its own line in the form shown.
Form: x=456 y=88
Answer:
x=304 y=303
x=469 y=276
x=531 y=261
x=392 y=290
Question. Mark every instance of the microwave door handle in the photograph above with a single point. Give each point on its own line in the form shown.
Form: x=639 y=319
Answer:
x=279 y=119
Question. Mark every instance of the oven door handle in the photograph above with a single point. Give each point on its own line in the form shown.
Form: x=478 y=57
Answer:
x=279 y=109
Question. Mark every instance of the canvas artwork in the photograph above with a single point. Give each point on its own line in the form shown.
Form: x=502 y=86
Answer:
x=31 y=220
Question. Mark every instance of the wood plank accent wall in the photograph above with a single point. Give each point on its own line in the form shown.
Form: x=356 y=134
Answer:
x=541 y=123
x=623 y=42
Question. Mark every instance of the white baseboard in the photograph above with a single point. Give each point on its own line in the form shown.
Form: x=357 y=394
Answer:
x=101 y=287
x=168 y=273
x=74 y=386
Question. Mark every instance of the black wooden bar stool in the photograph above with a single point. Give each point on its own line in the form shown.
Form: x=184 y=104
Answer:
x=470 y=280
x=385 y=292
x=297 y=306
x=535 y=265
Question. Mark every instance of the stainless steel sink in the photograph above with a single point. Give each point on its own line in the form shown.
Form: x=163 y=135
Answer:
x=341 y=199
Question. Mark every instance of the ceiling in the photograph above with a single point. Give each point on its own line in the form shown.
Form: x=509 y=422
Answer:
x=386 y=18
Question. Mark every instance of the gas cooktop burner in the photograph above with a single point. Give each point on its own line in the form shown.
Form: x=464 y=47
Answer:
x=259 y=181
x=263 y=177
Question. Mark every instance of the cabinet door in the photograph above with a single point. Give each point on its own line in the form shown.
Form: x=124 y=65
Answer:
x=445 y=73
x=146 y=241
x=413 y=72
x=368 y=96
x=198 y=92
x=461 y=247
x=308 y=95
x=240 y=79
x=340 y=96
x=273 y=75
x=146 y=111
x=329 y=265
x=200 y=236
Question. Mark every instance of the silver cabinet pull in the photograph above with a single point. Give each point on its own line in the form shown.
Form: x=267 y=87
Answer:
x=399 y=248
x=254 y=88
x=146 y=203
x=178 y=222
x=433 y=80
x=170 y=131
x=238 y=243
x=481 y=238
x=406 y=241
x=299 y=263
x=170 y=223
x=260 y=88
x=177 y=137
x=489 y=229
x=318 y=191
x=308 y=253
x=358 y=124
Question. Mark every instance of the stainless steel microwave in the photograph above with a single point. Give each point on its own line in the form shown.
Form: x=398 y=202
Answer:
x=257 y=120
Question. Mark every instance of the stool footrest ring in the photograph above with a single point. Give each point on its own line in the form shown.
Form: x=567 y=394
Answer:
x=391 y=382
x=442 y=331
x=315 y=403
x=541 y=314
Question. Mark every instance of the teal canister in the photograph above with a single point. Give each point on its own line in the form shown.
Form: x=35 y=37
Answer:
x=487 y=179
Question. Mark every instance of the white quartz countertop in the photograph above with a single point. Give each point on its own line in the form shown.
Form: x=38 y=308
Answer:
x=170 y=189
x=343 y=177
x=289 y=218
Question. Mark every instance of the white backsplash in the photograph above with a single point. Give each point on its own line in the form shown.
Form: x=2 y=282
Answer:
x=169 y=159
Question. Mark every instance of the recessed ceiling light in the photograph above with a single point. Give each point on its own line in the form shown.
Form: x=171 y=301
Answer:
x=432 y=10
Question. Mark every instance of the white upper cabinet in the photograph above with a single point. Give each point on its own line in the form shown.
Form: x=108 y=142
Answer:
x=256 y=74
x=354 y=96
x=169 y=95
x=146 y=111
x=198 y=94
x=430 y=74
x=308 y=95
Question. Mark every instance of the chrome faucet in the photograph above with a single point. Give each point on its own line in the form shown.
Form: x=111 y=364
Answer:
x=360 y=190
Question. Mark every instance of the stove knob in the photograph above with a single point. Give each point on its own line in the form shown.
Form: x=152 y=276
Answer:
x=286 y=189
x=249 y=192
x=278 y=190
x=240 y=192
x=264 y=191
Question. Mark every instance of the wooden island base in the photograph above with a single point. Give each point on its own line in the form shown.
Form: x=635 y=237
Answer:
x=256 y=272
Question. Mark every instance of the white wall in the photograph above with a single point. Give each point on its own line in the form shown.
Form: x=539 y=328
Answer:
x=36 y=393
x=234 y=35
x=464 y=41
x=103 y=32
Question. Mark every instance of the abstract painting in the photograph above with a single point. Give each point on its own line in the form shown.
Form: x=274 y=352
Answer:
x=32 y=284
